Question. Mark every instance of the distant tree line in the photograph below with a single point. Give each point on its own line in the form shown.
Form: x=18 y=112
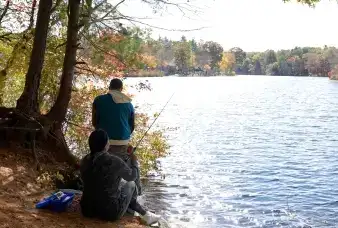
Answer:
x=188 y=57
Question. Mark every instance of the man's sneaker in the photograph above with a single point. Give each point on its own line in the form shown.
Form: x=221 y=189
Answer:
x=150 y=218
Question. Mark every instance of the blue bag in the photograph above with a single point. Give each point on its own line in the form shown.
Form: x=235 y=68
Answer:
x=58 y=201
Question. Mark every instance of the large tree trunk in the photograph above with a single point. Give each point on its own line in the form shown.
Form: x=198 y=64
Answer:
x=59 y=110
x=28 y=101
x=50 y=137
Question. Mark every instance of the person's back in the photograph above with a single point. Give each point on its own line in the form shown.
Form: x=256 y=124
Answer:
x=103 y=195
x=114 y=118
x=114 y=113
x=101 y=174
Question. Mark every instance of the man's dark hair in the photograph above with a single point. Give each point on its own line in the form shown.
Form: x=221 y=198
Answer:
x=98 y=140
x=115 y=84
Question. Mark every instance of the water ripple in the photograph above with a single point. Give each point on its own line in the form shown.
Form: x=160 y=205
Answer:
x=246 y=152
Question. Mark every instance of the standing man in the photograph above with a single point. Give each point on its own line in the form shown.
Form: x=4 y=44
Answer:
x=114 y=113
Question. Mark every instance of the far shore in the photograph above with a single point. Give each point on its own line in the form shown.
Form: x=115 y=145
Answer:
x=201 y=76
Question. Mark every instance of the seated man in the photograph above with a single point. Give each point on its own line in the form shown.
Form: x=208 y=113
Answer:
x=114 y=113
x=101 y=173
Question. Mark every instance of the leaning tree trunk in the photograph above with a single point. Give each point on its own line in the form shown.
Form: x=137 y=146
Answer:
x=28 y=101
x=50 y=138
x=59 y=110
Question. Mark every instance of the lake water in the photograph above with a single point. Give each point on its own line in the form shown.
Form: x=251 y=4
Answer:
x=246 y=151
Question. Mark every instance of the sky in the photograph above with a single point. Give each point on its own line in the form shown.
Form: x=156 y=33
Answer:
x=253 y=25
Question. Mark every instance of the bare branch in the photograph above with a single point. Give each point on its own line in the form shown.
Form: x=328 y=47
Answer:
x=112 y=10
x=4 y=11
x=108 y=26
x=127 y=18
x=99 y=5
x=133 y=21
x=31 y=19
x=60 y=45
x=183 y=7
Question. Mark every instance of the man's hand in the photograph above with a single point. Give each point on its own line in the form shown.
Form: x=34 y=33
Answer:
x=130 y=150
x=77 y=166
x=133 y=159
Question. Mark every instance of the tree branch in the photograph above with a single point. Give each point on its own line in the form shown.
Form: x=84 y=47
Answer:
x=4 y=11
x=31 y=19
x=104 y=51
x=4 y=36
x=112 y=10
x=183 y=7
x=57 y=3
x=60 y=45
x=127 y=18
x=76 y=125
x=99 y=5
x=87 y=70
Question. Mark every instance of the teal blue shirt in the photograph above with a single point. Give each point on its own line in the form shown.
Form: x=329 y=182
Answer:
x=117 y=119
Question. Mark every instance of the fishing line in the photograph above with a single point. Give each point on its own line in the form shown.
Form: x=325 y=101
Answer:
x=139 y=142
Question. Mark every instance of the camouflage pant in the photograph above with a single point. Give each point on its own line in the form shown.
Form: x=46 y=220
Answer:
x=122 y=152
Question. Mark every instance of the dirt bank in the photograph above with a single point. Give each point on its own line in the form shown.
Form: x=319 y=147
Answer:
x=20 y=189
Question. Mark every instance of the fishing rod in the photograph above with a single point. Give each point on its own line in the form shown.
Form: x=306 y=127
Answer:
x=139 y=142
